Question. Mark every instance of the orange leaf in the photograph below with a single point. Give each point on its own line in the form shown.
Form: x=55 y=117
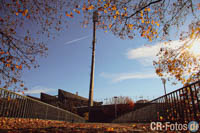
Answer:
x=28 y=16
x=24 y=13
x=91 y=7
x=69 y=15
x=114 y=8
x=7 y=65
x=20 y=66
x=110 y=25
x=100 y=9
x=110 y=129
x=77 y=11
x=130 y=26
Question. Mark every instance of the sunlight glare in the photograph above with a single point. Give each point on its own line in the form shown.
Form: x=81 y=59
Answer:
x=195 y=49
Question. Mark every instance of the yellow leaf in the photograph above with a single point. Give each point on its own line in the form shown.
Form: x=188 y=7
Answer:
x=91 y=7
x=126 y=14
x=110 y=129
x=105 y=11
x=114 y=17
x=148 y=9
x=125 y=8
x=141 y=13
x=130 y=26
x=157 y=23
x=117 y=12
x=25 y=12
x=16 y=13
x=110 y=25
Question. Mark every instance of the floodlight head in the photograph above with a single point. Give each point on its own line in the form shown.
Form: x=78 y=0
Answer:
x=163 y=80
x=95 y=16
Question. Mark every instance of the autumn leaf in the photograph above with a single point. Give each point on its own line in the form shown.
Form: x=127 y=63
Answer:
x=77 y=11
x=110 y=129
x=198 y=5
x=130 y=26
x=117 y=12
x=114 y=8
x=16 y=13
x=110 y=25
x=22 y=85
x=91 y=7
x=7 y=65
x=69 y=15
x=25 y=12
x=100 y=9
x=142 y=21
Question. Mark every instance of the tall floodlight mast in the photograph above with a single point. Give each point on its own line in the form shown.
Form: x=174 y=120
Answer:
x=90 y=104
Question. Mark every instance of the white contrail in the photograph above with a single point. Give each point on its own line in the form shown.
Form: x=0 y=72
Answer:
x=75 y=40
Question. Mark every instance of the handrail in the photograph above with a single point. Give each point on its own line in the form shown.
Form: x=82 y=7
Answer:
x=8 y=108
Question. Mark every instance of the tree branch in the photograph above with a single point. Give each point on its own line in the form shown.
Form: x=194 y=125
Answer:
x=151 y=3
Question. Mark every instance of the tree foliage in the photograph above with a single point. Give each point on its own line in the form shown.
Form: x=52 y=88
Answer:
x=24 y=25
x=151 y=19
x=120 y=100
x=181 y=62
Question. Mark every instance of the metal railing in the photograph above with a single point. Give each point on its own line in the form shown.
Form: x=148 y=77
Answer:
x=18 y=106
x=182 y=105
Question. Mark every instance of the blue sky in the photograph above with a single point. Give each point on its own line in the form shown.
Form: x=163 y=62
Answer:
x=122 y=67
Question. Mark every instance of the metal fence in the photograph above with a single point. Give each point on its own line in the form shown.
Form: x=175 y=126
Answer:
x=182 y=105
x=18 y=106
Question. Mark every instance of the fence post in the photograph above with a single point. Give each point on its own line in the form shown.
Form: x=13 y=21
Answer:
x=193 y=104
x=25 y=108
x=58 y=114
x=46 y=112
